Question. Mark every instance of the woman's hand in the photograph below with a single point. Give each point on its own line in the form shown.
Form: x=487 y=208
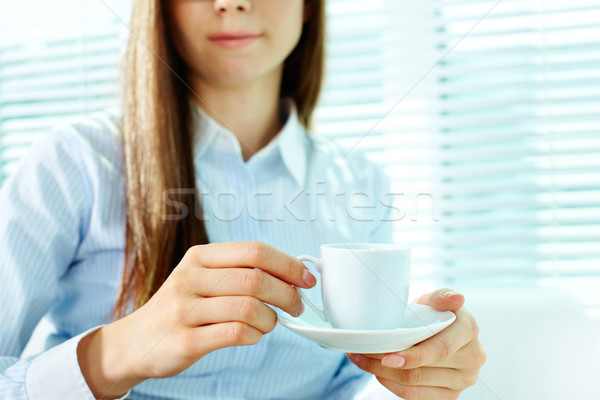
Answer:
x=214 y=298
x=440 y=367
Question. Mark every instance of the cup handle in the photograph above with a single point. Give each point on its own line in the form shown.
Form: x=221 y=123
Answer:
x=318 y=265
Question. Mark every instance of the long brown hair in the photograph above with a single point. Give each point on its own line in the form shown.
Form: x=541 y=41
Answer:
x=157 y=143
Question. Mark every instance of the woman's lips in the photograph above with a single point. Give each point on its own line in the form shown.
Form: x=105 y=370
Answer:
x=233 y=40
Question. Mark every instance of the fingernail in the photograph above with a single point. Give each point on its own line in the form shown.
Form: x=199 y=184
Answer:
x=309 y=279
x=447 y=293
x=301 y=311
x=393 y=361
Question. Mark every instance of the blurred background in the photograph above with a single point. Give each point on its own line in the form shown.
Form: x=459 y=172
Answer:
x=485 y=114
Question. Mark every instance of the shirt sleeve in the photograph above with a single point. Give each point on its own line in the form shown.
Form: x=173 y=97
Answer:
x=43 y=216
x=59 y=367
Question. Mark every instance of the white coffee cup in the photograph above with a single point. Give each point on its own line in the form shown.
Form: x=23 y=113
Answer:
x=364 y=285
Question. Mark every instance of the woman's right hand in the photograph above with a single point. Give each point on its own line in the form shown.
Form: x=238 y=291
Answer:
x=214 y=298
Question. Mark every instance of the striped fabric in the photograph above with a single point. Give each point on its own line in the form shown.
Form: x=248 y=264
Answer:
x=62 y=250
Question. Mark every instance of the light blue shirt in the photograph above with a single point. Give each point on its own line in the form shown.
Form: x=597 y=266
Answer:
x=62 y=231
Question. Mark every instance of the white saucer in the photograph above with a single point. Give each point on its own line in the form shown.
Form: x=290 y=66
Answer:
x=420 y=322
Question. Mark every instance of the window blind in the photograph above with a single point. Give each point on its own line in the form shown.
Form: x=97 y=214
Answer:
x=485 y=114
x=58 y=62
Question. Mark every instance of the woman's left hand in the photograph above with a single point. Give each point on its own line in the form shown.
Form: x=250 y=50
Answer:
x=440 y=367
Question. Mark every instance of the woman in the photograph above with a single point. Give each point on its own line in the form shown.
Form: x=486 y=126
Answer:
x=216 y=99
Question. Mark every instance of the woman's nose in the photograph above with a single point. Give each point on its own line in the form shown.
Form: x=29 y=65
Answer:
x=232 y=6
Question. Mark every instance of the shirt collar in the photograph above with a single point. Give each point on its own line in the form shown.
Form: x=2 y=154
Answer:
x=291 y=141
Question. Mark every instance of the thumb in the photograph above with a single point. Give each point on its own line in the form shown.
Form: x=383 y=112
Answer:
x=442 y=300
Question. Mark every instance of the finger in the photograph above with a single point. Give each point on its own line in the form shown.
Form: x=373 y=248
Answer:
x=423 y=299
x=249 y=282
x=198 y=342
x=419 y=392
x=468 y=358
x=425 y=376
x=442 y=300
x=375 y=356
x=256 y=255
x=440 y=346
x=250 y=310
x=451 y=362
